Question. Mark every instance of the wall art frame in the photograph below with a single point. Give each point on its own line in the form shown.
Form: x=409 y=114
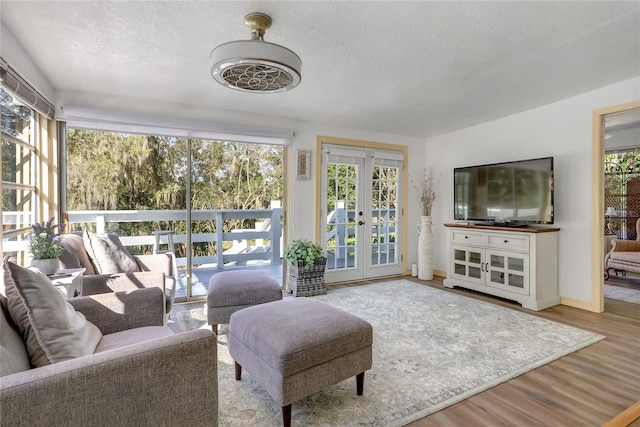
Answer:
x=303 y=165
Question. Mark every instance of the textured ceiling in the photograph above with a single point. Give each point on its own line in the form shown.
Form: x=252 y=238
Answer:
x=406 y=68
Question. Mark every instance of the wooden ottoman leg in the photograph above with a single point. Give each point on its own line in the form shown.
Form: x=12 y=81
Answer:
x=238 y=371
x=360 y=383
x=286 y=415
x=214 y=328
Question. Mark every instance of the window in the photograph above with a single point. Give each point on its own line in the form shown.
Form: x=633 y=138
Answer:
x=622 y=193
x=19 y=207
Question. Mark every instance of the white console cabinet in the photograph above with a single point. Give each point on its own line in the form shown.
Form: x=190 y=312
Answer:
x=519 y=264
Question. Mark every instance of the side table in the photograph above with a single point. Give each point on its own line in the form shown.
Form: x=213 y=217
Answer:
x=69 y=281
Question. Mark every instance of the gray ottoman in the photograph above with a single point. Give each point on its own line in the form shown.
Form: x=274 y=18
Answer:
x=297 y=347
x=231 y=291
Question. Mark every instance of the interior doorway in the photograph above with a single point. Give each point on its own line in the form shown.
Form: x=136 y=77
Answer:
x=605 y=122
x=621 y=197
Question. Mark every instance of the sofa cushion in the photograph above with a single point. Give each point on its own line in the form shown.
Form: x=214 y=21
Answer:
x=13 y=353
x=132 y=336
x=109 y=254
x=74 y=254
x=52 y=330
x=626 y=257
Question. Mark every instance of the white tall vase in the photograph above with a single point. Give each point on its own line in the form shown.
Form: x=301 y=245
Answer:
x=425 y=248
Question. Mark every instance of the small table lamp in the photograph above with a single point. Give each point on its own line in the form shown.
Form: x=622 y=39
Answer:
x=610 y=213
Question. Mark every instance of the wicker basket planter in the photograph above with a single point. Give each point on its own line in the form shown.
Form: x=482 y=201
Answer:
x=305 y=280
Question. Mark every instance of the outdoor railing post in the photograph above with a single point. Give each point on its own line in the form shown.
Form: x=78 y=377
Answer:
x=276 y=233
x=100 y=224
x=341 y=226
x=219 y=248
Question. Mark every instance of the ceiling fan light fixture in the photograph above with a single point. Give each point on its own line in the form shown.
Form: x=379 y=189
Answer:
x=255 y=65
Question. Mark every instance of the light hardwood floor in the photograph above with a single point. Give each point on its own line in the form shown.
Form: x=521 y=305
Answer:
x=585 y=388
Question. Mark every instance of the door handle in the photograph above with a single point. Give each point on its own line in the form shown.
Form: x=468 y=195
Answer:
x=360 y=222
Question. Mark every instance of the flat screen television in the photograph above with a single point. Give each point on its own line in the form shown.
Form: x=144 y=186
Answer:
x=511 y=193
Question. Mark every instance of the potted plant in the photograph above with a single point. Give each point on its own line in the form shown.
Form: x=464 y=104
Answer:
x=45 y=246
x=306 y=263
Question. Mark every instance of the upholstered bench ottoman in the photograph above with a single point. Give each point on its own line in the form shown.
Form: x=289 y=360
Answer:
x=297 y=347
x=230 y=291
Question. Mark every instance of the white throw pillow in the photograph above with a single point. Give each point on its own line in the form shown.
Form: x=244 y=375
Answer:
x=52 y=330
x=109 y=254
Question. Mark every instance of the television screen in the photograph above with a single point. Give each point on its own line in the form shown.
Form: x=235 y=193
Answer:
x=505 y=193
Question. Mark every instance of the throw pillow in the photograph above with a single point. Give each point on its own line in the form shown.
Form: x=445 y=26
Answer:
x=74 y=255
x=13 y=353
x=52 y=330
x=109 y=254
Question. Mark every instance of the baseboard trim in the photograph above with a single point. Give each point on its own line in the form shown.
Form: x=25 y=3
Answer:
x=582 y=305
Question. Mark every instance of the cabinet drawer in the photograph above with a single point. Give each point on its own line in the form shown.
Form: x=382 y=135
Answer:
x=514 y=242
x=467 y=237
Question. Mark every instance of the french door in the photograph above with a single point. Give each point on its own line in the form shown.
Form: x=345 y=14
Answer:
x=361 y=215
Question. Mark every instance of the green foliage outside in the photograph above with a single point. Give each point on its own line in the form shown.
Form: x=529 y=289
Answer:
x=619 y=169
x=342 y=192
x=115 y=171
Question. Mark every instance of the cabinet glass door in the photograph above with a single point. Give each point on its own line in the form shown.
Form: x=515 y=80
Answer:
x=509 y=271
x=467 y=263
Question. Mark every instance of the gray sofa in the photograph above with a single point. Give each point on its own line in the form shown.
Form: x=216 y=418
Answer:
x=149 y=377
x=154 y=271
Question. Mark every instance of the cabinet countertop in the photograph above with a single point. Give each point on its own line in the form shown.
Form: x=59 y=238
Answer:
x=500 y=228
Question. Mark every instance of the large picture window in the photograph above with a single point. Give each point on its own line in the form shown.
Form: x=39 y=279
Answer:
x=214 y=204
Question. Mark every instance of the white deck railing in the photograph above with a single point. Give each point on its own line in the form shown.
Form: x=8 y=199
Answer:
x=341 y=223
x=267 y=229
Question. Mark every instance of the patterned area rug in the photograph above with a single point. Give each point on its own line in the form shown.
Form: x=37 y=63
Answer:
x=622 y=294
x=431 y=349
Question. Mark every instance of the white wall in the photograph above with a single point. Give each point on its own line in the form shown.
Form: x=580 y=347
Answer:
x=561 y=130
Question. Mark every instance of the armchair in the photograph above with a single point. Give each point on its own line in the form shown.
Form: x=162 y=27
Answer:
x=624 y=255
x=140 y=374
x=154 y=270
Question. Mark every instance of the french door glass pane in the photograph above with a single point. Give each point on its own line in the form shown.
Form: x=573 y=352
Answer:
x=342 y=190
x=383 y=215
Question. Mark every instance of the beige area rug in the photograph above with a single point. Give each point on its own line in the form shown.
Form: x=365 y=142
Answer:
x=431 y=349
x=622 y=294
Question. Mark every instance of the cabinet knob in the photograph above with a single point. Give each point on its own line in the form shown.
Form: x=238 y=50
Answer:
x=466 y=237
x=506 y=241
